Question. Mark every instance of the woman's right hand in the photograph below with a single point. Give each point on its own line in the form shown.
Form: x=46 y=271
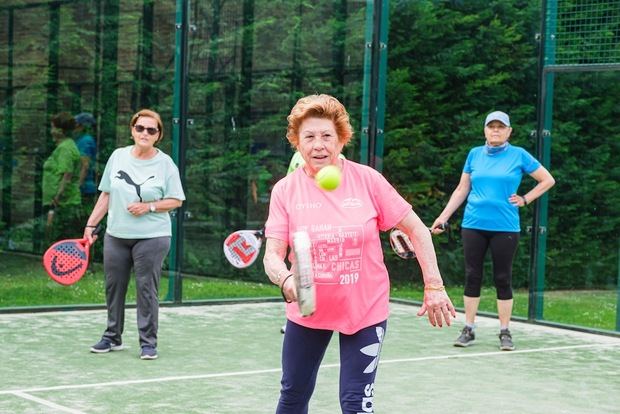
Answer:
x=439 y=226
x=88 y=235
x=288 y=289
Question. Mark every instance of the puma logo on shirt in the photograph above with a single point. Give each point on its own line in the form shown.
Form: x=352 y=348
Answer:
x=124 y=176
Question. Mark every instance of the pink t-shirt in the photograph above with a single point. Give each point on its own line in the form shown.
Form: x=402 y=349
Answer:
x=351 y=280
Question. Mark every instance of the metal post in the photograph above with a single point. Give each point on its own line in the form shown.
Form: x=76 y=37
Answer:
x=375 y=70
x=179 y=134
x=381 y=84
x=6 y=146
x=543 y=153
x=618 y=292
x=366 y=89
x=374 y=81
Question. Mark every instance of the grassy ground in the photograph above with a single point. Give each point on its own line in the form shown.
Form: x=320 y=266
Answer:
x=588 y=308
x=23 y=282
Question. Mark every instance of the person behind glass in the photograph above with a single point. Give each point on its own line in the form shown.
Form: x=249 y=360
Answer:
x=489 y=182
x=60 y=189
x=351 y=279
x=139 y=186
x=85 y=123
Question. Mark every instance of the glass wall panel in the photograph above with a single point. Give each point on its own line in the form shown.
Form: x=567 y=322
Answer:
x=582 y=275
x=249 y=62
x=109 y=58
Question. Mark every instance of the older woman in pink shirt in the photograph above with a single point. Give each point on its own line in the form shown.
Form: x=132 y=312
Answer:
x=351 y=279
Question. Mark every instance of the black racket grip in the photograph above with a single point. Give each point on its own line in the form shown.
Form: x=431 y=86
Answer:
x=442 y=226
x=97 y=230
x=260 y=234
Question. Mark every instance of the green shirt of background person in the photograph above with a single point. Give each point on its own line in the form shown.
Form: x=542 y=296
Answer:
x=61 y=173
x=297 y=161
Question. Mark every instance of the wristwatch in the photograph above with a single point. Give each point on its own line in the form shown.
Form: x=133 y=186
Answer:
x=151 y=207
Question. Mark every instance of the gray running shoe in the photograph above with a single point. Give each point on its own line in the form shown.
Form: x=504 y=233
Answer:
x=466 y=338
x=505 y=340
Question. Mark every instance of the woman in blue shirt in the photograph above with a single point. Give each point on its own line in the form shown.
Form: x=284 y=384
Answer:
x=489 y=182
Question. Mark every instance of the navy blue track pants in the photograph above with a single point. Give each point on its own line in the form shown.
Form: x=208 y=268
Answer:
x=302 y=353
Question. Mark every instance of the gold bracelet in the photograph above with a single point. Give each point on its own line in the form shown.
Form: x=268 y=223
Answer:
x=435 y=287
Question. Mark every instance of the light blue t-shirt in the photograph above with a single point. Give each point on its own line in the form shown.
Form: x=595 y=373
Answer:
x=494 y=178
x=127 y=180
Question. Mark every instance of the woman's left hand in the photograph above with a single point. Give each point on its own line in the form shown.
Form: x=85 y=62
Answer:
x=438 y=307
x=138 y=209
x=517 y=200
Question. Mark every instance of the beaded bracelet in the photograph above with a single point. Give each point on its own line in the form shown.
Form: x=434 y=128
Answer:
x=282 y=289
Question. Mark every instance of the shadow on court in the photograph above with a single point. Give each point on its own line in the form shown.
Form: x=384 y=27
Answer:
x=226 y=359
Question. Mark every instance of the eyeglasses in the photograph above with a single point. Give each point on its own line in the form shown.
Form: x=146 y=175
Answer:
x=150 y=131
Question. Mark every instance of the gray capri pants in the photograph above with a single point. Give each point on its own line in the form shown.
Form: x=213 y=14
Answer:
x=146 y=256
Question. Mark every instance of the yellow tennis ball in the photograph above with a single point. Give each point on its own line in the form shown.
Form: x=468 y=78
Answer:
x=328 y=178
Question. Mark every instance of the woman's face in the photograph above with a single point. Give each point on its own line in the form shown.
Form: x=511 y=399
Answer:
x=57 y=133
x=318 y=144
x=496 y=133
x=145 y=132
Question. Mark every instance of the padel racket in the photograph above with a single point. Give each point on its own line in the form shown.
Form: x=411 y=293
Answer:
x=241 y=248
x=66 y=261
x=304 y=275
x=401 y=244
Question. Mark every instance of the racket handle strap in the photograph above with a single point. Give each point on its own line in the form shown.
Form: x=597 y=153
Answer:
x=97 y=229
x=282 y=288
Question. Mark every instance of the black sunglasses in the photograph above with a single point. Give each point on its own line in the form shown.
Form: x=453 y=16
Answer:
x=150 y=131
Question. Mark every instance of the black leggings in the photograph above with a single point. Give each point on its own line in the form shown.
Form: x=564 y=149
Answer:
x=503 y=246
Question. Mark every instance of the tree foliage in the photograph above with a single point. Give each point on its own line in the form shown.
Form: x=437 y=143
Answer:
x=449 y=63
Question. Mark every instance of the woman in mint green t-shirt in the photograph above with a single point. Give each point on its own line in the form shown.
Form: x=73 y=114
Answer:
x=139 y=186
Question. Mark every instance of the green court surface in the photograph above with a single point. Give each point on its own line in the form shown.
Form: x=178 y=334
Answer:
x=226 y=359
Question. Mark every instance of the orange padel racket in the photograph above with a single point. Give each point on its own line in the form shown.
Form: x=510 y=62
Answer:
x=66 y=261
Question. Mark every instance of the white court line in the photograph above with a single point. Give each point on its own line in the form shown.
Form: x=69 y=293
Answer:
x=520 y=351
x=272 y=370
x=46 y=403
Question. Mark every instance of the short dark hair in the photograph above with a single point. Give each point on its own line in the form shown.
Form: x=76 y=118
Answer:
x=64 y=121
